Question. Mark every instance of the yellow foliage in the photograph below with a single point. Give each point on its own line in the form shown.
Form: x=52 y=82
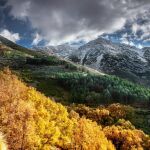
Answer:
x=98 y=114
x=29 y=119
x=3 y=145
x=127 y=139
x=89 y=136
x=104 y=115
x=121 y=132
x=122 y=110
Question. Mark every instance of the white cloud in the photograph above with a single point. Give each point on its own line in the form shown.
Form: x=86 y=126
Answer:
x=141 y=26
x=135 y=28
x=125 y=40
x=62 y=20
x=146 y=30
x=37 y=38
x=87 y=35
x=10 y=35
x=118 y=24
x=139 y=46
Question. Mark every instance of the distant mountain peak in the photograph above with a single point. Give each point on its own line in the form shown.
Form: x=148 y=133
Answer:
x=63 y=50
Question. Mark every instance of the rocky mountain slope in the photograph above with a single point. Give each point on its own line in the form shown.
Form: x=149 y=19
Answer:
x=122 y=60
x=117 y=59
x=146 y=51
x=103 y=55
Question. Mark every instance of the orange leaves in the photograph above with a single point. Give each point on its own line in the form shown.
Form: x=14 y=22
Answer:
x=88 y=135
x=119 y=111
x=126 y=139
x=122 y=133
x=104 y=115
x=29 y=119
x=98 y=114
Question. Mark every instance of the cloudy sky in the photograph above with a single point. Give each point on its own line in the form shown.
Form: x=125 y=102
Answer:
x=53 y=22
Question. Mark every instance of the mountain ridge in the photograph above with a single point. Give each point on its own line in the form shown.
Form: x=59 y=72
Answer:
x=118 y=59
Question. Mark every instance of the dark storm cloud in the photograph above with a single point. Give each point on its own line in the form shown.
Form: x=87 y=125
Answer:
x=62 y=20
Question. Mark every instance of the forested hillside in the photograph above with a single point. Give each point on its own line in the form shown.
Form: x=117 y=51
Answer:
x=56 y=77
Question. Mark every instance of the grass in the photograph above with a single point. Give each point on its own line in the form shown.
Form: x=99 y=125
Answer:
x=17 y=47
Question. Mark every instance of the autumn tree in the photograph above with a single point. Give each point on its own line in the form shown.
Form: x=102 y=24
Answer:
x=127 y=139
x=30 y=120
x=88 y=135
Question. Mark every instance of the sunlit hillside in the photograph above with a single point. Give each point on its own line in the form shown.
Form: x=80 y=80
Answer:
x=29 y=120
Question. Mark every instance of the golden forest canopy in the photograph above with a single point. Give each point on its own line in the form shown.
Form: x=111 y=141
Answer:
x=31 y=121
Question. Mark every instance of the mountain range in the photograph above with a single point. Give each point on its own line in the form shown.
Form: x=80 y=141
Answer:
x=118 y=59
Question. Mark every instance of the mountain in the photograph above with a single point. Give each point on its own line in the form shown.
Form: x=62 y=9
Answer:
x=146 y=51
x=64 y=50
x=15 y=46
x=122 y=60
